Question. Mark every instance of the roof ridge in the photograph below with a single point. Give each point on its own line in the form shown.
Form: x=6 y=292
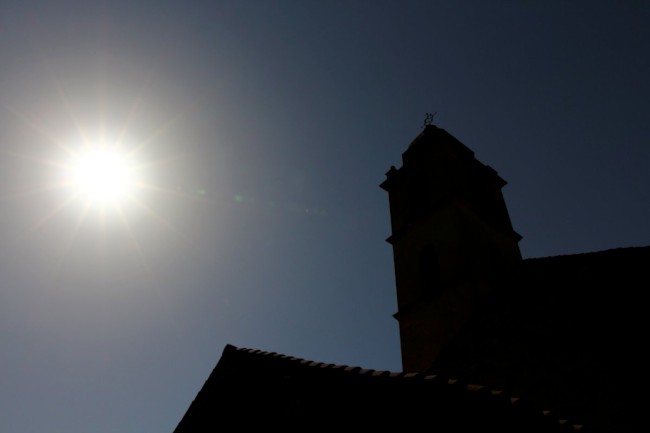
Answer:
x=585 y=253
x=309 y=362
x=552 y=414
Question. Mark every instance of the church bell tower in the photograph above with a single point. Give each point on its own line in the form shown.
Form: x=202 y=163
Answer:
x=452 y=239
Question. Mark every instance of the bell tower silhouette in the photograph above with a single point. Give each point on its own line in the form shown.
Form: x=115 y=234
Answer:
x=452 y=238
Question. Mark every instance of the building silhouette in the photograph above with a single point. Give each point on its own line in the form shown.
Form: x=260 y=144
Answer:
x=489 y=340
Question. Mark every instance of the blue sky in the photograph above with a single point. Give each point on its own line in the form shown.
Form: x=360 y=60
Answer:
x=264 y=129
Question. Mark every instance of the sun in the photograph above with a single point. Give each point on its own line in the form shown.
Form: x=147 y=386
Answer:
x=102 y=176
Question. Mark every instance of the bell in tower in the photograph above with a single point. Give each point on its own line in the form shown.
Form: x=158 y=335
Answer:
x=453 y=242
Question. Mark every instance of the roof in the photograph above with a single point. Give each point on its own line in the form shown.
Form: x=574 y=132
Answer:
x=568 y=333
x=269 y=389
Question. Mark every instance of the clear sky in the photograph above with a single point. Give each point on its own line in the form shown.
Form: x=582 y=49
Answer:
x=261 y=131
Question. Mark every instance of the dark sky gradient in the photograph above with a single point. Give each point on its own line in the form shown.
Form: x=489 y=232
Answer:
x=268 y=126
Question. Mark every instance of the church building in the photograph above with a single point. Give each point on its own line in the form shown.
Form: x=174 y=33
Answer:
x=489 y=341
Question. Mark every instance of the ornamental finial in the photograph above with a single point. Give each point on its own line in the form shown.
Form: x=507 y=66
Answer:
x=428 y=119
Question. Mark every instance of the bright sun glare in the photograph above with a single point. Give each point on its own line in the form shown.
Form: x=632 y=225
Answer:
x=102 y=177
